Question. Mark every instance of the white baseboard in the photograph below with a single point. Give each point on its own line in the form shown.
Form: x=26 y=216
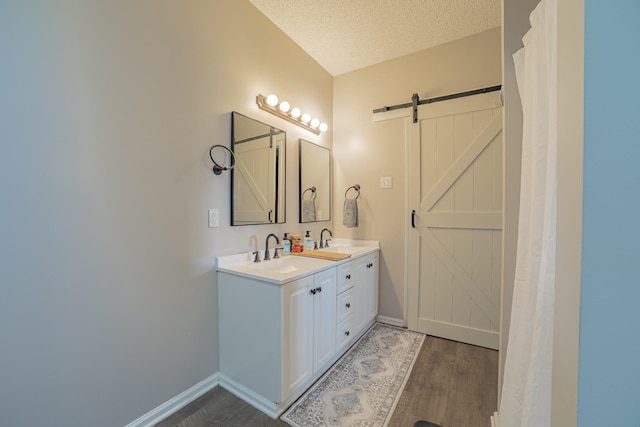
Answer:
x=393 y=321
x=178 y=402
x=494 y=419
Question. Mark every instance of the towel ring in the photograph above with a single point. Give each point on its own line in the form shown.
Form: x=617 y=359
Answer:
x=217 y=169
x=355 y=187
x=313 y=192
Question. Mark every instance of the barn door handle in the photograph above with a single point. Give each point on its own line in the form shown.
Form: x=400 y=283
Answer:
x=413 y=218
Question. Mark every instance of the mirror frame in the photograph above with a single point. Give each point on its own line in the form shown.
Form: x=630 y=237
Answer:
x=301 y=190
x=280 y=189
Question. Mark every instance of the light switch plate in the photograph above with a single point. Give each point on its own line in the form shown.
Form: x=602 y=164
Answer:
x=386 y=182
x=214 y=218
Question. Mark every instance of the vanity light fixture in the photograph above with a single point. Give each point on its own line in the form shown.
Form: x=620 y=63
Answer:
x=283 y=110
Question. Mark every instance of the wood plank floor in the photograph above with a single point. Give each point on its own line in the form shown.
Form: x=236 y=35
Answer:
x=452 y=384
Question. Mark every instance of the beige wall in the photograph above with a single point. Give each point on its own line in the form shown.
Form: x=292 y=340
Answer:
x=108 y=110
x=566 y=330
x=365 y=151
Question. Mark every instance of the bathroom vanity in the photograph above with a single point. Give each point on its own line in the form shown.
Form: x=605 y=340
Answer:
x=284 y=322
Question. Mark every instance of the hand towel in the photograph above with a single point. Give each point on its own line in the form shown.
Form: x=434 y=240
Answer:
x=350 y=213
x=308 y=210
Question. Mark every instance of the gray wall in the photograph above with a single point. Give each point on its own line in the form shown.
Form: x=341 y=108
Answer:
x=107 y=112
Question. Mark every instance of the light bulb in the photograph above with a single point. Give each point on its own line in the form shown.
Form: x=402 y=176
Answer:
x=323 y=127
x=306 y=117
x=315 y=122
x=295 y=112
x=272 y=100
x=284 y=106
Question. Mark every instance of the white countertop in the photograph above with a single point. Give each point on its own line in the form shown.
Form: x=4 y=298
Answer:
x=292 y=267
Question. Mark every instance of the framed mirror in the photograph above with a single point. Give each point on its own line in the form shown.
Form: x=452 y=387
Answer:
x=315 y=182
x=258 y=178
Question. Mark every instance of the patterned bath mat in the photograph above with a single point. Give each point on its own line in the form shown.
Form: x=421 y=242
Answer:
x=363 y=387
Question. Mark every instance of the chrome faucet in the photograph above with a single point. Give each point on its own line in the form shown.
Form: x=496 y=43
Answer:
x=326 y=243
x=266 y=246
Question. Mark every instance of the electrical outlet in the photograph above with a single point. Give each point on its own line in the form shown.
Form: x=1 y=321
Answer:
x=214 y=218
x=386 y=182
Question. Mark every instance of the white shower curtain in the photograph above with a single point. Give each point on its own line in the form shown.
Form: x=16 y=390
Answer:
x=526 y=390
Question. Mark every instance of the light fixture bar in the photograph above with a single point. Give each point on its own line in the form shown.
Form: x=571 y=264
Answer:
x=261 y=100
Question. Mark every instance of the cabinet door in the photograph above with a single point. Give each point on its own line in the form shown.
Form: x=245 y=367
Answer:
x=298 y=334
x=372 y=287
x=324 y=314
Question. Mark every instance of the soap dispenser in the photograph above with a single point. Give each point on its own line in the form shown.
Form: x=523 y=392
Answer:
x=286 y=244
x=308 y=243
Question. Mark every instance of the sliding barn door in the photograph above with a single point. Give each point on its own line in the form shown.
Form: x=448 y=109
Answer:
x=455 y=203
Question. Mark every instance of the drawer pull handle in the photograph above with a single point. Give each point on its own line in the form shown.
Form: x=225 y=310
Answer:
x=346 y=333
x=348 y=305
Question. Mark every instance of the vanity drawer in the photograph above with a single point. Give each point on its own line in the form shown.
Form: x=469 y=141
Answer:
x=346 y=302
x=345 y=331
x=346 y=278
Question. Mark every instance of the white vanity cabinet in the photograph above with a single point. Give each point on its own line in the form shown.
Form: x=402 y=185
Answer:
x=278 y=334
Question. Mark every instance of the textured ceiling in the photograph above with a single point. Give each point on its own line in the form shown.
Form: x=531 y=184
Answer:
x=345 y=35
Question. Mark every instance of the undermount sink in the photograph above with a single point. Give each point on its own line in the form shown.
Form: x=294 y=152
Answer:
x=283 y=265
x=277 y=270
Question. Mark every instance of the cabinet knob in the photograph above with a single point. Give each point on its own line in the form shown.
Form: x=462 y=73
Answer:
x=346 y=333
x=349 y=276
x=348 y=305
x=319 y=288
x=313 y=291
